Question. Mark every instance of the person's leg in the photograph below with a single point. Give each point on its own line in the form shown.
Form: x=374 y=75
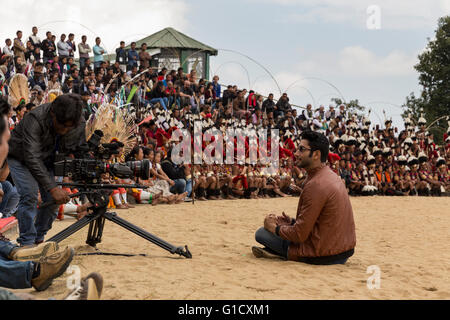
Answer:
x=14 y=274
x=45 y=217
x=166 y=102
x=179 y=187
x=27 y=187
x=189 y=187
x=82 y=62
x=10 y=199
x=272 y=242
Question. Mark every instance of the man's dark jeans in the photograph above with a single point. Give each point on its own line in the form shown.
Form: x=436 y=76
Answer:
x=179 y=187
x=33 y=223
x=14 y=274
x=280 y=246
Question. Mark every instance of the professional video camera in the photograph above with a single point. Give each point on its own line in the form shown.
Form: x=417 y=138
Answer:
x=90 y=167
x=91 y=170
x=86 y=175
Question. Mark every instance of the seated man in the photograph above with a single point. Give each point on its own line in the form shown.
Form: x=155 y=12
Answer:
x=177 y=174
x=9 y=197
x=323 y=232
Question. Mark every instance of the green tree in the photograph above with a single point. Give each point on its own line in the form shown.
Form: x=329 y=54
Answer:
x=434 y=77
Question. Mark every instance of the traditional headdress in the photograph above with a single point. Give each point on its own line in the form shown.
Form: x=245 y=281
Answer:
x=116 y=124
x=18 y=91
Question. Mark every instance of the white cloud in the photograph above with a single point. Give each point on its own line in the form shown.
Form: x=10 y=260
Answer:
x=358 y=61
x=395 y=15
x=109 y=19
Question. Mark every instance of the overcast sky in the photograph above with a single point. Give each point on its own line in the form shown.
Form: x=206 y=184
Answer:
x=315 y=49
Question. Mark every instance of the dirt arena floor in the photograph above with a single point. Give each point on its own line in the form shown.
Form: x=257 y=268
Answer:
x=407 y=238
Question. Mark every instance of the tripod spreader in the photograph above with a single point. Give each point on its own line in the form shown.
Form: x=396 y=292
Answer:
x=96 y=221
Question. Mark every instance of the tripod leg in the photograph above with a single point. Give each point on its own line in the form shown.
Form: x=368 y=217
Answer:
x=95 y=231
x=74 y=228
x=148 y=236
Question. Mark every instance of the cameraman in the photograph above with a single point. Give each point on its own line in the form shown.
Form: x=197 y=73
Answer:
x=57 y=127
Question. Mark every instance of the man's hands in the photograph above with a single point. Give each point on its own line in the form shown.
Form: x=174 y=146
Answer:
x=60 y=196
x=82 y=210
x=270 y=223
x=284 y=220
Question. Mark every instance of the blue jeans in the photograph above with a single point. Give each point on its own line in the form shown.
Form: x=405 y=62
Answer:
x=97 y=64
x=281 y=246
x=272 y=242
x=10 y=199
x=33 y=223
x=179 y=187
x=82 y=62
x=14 y=274
x=162 y=101
x=189 y=187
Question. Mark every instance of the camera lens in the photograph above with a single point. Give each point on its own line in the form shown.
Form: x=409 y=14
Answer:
x=140 y=169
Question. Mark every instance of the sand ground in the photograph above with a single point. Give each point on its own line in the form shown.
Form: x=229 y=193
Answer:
x=407 y=238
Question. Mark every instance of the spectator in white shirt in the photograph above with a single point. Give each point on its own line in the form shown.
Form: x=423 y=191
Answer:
x=63 y=47
x=7 y=49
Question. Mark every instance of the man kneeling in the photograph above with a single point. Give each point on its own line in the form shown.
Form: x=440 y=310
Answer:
x=323 y=232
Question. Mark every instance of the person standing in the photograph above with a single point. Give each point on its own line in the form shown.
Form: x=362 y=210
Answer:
x=133 y=57
x=19 y=48
x=98 y=53
x=122 y=56
x=63 y=48
x=49 y=48
x=323 y=233
x=71 y=43
x=84 y=49
x=217 y=87
x=144 y=57
x=7 y=49
x=35 y=40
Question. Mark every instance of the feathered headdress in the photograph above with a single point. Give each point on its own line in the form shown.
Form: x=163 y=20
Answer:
x=116 y=124
x=18 y=91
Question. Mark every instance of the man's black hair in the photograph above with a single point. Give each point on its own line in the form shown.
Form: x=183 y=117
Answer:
x=317 y=141
x=146 y=151
x=67 y=108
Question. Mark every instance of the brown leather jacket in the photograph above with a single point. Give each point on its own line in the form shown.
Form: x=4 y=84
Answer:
x=324 y=225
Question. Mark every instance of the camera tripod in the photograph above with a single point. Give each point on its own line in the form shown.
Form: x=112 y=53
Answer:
x=96 y=220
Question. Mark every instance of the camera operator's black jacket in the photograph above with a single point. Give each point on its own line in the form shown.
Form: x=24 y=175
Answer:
x=33 y=143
